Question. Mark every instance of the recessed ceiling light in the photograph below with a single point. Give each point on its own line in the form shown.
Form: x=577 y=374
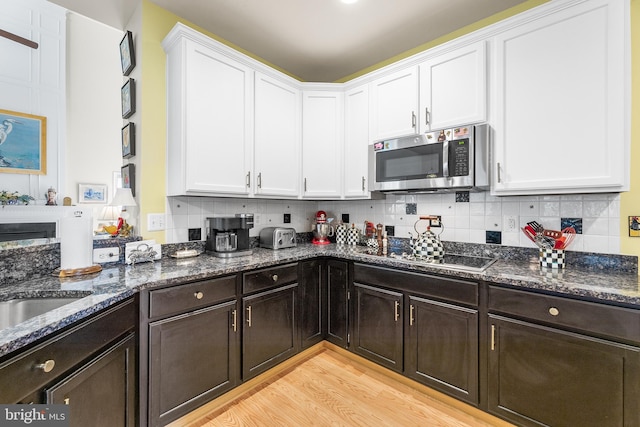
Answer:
x=348 y=1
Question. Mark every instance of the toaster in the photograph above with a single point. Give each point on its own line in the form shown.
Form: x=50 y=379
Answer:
x=277 y=237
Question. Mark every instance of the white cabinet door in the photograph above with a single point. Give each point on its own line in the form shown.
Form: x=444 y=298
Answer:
x=209 y=122
x=453 y=88
x=322 y=147
x=560 y=107
x=277 y=138
x=394 y=104
x=356 y=143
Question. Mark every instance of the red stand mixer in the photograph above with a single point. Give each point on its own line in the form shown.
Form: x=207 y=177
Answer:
x=322 y=230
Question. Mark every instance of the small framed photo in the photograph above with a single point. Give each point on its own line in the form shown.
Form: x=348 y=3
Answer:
x=128 y=97
x=127 y=55
x=129 y=177
x=92 y=193
x=634 y=226
x=128 y=140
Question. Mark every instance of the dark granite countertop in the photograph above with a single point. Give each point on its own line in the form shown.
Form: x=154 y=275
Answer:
x=117 y=283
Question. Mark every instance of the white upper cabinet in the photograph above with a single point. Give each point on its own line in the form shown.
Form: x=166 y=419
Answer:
x=356 y=142
x=209 y=147
x=277 y=137
x=453 y=88
x=560 y=122
x=322 y=144
x=394 y=104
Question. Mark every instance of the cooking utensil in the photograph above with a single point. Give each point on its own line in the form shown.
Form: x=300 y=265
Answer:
x=554 y=234
x=537 y=227
x=563 y=242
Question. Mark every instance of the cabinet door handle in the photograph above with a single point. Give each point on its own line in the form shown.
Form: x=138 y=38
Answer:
x=234 y=316
x=498 y=168
x=396 y=306
x=363 y=187
x=47 y=366
x=249 y=316
x=198 y=295
x=260 y=180
x=411 y=315
x=274 y=277
x=248 y=179
x=426 y=115
x=305 y=185
x=493 y=337
x=413 y=119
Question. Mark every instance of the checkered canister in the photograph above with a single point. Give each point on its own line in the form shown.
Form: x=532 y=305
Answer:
x=552 y=258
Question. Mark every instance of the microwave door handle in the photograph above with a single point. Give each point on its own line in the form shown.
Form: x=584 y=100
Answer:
x=445 y=158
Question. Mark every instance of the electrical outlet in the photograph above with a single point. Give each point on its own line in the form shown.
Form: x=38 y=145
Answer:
x=102 y=255
x=156 y=222
x=436 y=222
x=510 y=223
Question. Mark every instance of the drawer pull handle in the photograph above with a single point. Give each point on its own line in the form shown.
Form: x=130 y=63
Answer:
x=554 y=311
x=198 y=295
x=46 y=366
x=275 y=277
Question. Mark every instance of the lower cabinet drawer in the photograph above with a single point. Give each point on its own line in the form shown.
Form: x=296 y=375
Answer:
x=601 y=319
x=269 y=278
x=454 y=290
x=190 y=296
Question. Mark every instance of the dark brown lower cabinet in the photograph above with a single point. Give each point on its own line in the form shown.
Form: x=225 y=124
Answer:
x=193 y=358
x=441 y=347
x=269 y=333
x=337 y=316
x=312 y=300
x=542 y=376
x=377 y=328
x=102 y=392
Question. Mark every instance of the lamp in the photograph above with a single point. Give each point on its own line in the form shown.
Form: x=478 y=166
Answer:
x=124 y=198
x=110 y=214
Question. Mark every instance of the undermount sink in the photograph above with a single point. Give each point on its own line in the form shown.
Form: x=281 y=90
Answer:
x=19 y=310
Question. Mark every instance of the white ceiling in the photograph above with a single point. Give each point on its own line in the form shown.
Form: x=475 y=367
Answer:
x=315 y=40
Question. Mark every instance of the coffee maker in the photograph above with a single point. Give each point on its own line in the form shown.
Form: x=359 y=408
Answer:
x=229 y=236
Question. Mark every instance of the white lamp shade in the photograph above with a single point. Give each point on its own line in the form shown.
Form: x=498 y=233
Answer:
x=109 y=213
x=123 y=197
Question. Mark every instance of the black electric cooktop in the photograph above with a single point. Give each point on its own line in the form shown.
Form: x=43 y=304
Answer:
x=453 y=261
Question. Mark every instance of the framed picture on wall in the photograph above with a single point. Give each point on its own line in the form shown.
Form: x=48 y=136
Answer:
x=23 y=141
x=127 y=56
x=128 y=97
x=129 y=177
x=92 y=193
x=128 y=140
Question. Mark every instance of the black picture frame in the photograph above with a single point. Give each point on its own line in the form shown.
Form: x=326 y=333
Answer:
x=127 y=54
x=128 y=98
x=129 y=177
x=128 y=139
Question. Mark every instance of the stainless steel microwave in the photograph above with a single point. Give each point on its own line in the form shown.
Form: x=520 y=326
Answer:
x=442 y=160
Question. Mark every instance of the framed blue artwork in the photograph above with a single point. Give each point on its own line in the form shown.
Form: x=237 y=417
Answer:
x=23 y=143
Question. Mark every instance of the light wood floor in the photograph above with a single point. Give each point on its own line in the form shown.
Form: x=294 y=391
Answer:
x=328 y=389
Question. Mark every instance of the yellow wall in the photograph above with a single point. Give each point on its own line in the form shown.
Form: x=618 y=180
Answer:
x=156 y=24
x=630 y=201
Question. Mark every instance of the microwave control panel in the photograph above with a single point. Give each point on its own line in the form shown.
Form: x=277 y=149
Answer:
x=459 y=157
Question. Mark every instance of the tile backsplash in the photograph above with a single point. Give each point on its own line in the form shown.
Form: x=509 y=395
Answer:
x=466 y=220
